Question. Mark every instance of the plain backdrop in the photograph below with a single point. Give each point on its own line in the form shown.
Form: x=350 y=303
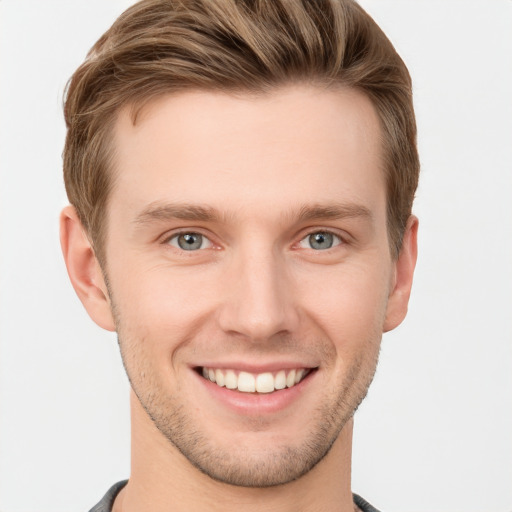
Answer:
x=435 y=433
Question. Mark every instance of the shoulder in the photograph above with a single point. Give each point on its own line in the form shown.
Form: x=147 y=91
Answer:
x=105 y=505
x=363 y=504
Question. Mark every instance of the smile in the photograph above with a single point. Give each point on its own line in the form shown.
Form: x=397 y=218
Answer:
x=245 y=382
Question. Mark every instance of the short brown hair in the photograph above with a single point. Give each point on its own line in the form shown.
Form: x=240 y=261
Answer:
x=160 y=46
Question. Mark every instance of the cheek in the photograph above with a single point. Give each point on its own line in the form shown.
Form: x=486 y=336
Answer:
x=350 y=305
x=162 y=305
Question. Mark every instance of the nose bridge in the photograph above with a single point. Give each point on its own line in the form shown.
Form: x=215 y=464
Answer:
x=258 y=300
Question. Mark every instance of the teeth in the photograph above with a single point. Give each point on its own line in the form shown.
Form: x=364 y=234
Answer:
x=248 y=383
x=264 y=383
x=231 y=380
x=280 y=380
x=219 y=378
x=290 y=380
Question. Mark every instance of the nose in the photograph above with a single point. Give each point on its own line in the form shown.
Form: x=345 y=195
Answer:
x=258 y=298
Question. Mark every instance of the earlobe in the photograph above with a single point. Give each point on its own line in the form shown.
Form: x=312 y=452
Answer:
x=403 y=276
x=84 y=270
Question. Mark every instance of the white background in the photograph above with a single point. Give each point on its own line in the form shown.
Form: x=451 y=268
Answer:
x=435 y=434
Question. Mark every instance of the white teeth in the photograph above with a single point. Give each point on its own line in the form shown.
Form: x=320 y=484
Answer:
x=219 y=378
x=231 y=380
x=280 y=380
x=246 y=382
x=290 y=380
x=264 y=383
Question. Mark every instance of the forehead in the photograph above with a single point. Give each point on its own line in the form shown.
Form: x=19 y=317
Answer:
x=293 y=145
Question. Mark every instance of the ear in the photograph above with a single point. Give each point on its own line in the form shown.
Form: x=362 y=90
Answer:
x=84 y=270
x=403 y=274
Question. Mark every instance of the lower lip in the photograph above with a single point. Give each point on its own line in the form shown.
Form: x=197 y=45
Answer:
x=257 y=403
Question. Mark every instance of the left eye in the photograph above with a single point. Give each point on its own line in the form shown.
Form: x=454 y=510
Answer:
x=190 y=241
x=320 y=241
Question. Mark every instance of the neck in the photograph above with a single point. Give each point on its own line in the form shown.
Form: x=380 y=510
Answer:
x=162 y=477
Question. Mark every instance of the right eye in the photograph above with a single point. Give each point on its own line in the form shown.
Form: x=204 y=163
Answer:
x=189 y=241
x=320 y=241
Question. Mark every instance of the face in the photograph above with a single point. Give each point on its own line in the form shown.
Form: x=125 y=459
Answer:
x=249 y=273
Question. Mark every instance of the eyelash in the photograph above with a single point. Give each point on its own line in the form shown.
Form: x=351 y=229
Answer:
x=337 y=240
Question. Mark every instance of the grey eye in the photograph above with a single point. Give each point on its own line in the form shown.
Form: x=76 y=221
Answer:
x=190 y=241
x=320 y=241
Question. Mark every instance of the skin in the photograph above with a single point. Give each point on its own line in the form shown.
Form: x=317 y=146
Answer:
x=269 y=171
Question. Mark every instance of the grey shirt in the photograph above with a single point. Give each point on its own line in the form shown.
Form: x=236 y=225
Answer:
x=105 y=505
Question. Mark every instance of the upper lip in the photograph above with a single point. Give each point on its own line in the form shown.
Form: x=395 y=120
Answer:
x=253 y=367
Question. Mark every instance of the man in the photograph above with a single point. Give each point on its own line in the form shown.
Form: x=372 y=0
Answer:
x=241 y=177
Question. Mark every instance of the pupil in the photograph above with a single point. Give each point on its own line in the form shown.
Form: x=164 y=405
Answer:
x=321 y=241
x=190 y=241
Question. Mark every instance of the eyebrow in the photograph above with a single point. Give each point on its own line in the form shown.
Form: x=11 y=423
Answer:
x=334 y=212
x=162 y=212
x=190 y=212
